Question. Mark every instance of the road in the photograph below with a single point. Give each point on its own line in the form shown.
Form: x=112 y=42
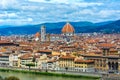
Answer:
x=57 y=71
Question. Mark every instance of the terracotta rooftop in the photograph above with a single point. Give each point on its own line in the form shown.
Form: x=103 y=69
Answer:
x=43 y=51
x=37 y=34
x=85 y=61
x=67 y=57
x=4 y=41
x=26 y=56
x=50 y=61
x=0 y=54
x=92 y=54
x=91 y=41
x=113 y=50
x=68 y=28
x=106 y=45
x=3 y=50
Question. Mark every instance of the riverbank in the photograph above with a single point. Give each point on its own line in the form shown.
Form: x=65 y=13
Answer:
x=52 y=74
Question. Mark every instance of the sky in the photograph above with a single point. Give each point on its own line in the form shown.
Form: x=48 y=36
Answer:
x=26 y=12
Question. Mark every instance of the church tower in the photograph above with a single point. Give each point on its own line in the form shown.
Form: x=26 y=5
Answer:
x=43 y=33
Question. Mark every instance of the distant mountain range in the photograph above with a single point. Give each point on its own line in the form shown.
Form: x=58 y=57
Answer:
x=80 y=27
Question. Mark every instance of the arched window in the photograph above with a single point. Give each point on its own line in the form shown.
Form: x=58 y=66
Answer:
x=116 y=66
x=109 y=64
x=113 y=66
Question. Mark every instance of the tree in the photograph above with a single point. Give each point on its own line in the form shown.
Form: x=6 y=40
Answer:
x=34 y=59
x=1 y=78
x=30 y=64
x=66 y=68
x=11 y=78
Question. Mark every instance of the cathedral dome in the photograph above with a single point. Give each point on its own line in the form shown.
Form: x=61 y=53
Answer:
x=68 y=28
x=37 y=34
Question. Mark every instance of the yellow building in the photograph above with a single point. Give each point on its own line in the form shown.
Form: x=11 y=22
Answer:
x=25 y=59
x=105 y=62
x=42 y=62
x=84 y=65
x=66 y=61
x=71 y=63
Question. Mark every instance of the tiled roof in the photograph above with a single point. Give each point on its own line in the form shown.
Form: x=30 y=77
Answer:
x=106 y=45
x=37 y=34
x=67 y=57
x=68 y=28
x=43 y=51
x=82 y=60
x=26 y=56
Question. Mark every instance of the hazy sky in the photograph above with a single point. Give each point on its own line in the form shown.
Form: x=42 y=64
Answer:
x=22 y=12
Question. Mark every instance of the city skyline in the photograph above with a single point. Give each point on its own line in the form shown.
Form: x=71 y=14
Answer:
x=22 y=12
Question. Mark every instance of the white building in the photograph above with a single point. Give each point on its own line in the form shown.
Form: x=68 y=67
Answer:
x=13 y=59
x=4 y=60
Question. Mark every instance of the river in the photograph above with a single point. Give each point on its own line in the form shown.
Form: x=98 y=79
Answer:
x=27 y=76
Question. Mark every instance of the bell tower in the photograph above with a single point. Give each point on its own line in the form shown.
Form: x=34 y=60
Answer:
x=43 y=33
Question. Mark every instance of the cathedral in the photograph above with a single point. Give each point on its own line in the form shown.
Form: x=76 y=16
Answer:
x=68 y=30
x=67 y=34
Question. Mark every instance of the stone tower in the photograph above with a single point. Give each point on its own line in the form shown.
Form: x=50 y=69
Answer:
x=43 y=33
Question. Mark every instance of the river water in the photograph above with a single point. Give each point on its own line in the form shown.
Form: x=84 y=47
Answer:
x=27 y=76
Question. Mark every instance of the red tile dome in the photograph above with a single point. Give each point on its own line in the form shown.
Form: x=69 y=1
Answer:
x=37 y=34
x=68 y=28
